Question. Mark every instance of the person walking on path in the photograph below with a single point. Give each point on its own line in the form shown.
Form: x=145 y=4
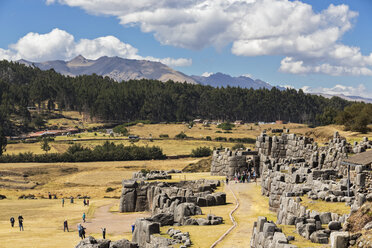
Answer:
x=79 y=229
x=82 y=232
x=84 y=202
x=84 y=216
x=227 y=180
x=49 y=195
x=12 y=220
x=20 y=222
x=88 y=202
x=65 y=226
x=103 y=232
x=63 y=202
x=71 y=199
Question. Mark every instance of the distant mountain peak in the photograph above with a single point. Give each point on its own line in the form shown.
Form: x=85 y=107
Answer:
x=116 y=68
x=220 y=79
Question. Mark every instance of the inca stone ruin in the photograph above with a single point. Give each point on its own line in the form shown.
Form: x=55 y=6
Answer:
x=290 y=167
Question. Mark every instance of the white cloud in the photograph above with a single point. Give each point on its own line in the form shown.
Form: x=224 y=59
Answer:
x=338 y=89
x=247 y=75
x=207 y=74
x=310 y=41
x=59 y=44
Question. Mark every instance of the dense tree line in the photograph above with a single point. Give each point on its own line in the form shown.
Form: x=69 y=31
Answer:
x=102 y=97
x=77 y=153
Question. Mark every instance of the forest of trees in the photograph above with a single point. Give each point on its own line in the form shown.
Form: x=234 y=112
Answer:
x=102 y=97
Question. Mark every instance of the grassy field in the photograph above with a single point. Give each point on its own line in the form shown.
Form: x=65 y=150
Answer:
x=71 y=179
x=169 y=147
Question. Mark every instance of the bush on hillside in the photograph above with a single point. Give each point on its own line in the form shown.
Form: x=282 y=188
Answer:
x=226 y=126
x=201 y=152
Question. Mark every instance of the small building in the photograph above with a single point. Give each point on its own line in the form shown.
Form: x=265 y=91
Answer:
x=364 y=159
x=358 y=169
x=280 y=122
x=239 y=122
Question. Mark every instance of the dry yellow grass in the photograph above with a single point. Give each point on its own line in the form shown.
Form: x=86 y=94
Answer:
x=322 y=206
x=170 y=147
x=65 y=179
x=43 y=223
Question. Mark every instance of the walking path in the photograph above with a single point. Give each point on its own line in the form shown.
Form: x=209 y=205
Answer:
x=231 y=218
x=251 y=204
x=114 y=222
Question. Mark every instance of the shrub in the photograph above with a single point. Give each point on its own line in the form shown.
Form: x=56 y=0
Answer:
x=226 y=126
x=220 y=139
x=201 y=152
x=218 y=131
x=109 y=189
x=120 y=129
x=238 y=146
x=181 y=135
x=163 y=136
x=208 y=138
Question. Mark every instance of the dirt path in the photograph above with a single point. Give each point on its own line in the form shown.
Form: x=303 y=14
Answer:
x=114 y=222
x=237 y=204
x=245 y=215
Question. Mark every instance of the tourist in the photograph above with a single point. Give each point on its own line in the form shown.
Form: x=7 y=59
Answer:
x=71 y=199
x=65 y=226
x=63 y=202
x=133 y=228
x=49 y=195
x=12 y=220
x=20 y=222
x=227 y=180
x=103 y=232
x=79 y=227
x=82 y=232
x=88 y=202
x=84 y=202
x=84 y=217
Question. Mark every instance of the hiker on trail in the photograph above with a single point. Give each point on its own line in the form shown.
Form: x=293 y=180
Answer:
x=133 y=226
x=103 y=232
x=49 y=195
x=85 y=202
x=12 y=220
x=227 y=180
x=84 y=217
x=71 y=199
x=20 y=222
x=82 y=232
x=63 y=202
x=79 y=229
x=65 y=226
x=88 y=202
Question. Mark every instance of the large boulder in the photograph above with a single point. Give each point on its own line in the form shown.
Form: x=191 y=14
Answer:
x=91 y=242
x=184 y=210
x=143 y=230
x=165 y=219
x=325 y=218
x=339 y=239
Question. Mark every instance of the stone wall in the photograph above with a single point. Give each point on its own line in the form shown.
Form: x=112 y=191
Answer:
x=227 y=163
x=266 y=234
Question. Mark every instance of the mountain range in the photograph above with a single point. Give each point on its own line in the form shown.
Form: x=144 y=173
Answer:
x=121 y=69
x=116 y=68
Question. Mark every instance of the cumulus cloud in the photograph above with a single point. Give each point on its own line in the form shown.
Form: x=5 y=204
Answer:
x=339 y=89
x=59 y=44
x=309 y=40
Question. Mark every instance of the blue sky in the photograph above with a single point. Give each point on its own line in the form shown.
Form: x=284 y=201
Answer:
x=320 y=45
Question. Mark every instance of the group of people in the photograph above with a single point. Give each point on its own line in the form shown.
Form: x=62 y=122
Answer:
x=20 y=222
x=245 y=176
x=86 y=202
